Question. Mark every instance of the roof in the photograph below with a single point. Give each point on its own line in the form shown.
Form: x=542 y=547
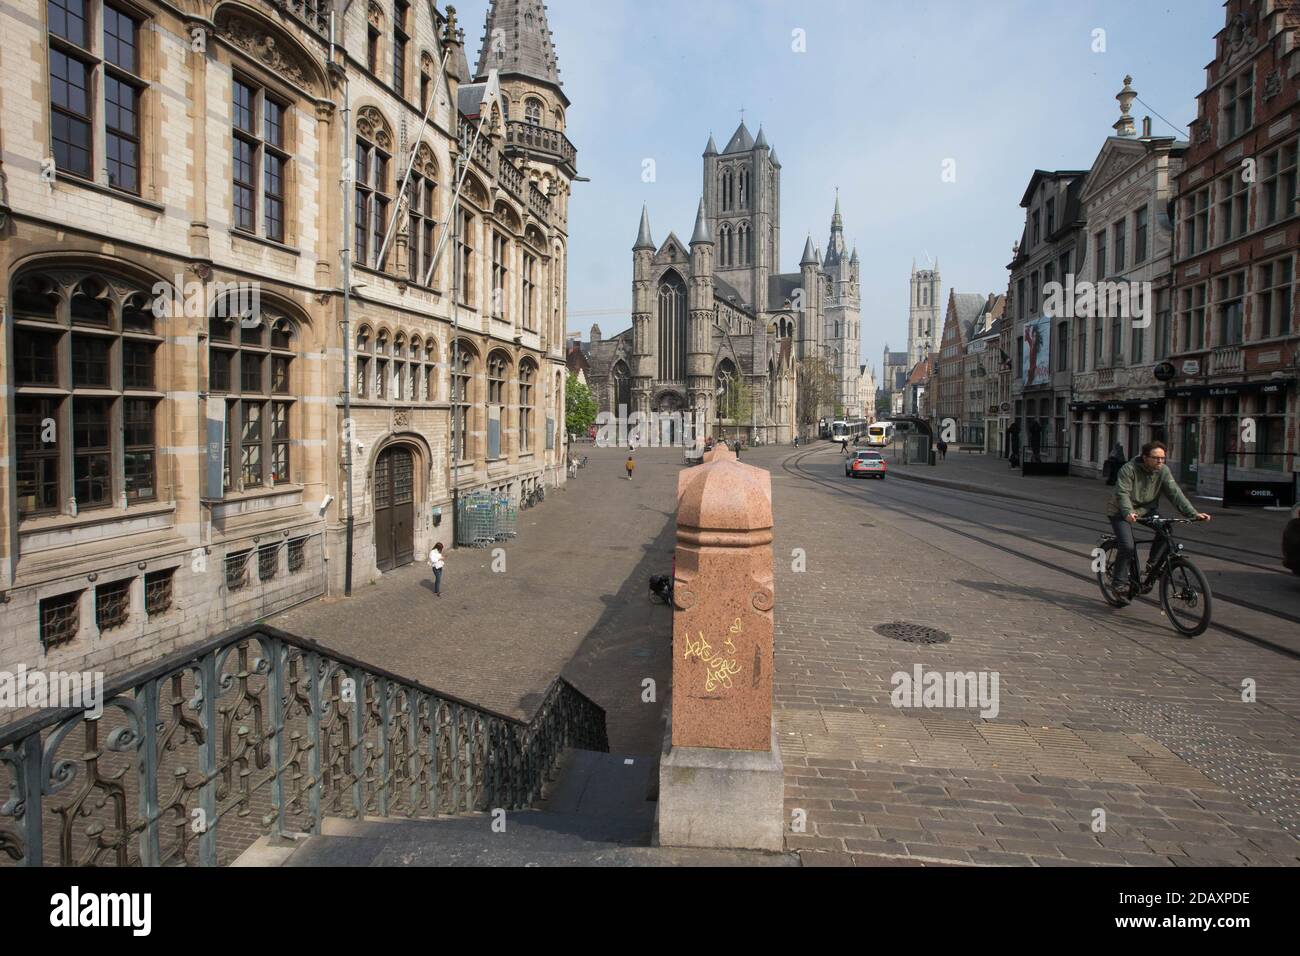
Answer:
x=741 y=141
x=780 y=289
x=1041 y=174
x=517 y=39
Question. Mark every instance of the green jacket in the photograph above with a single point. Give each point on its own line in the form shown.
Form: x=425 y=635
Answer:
x=1138 y=491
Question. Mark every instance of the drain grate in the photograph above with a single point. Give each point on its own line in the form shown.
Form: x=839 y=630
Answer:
x=913 y=633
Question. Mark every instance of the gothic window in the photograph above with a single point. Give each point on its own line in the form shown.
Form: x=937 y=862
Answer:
x=725 y=381
x=465 y=255
x=95 y=73
x=742 y=193
x=94 y=343
x=527 y=307
x=362 y=386
x=622 y=379
x=259 y=160
x=533 y=111
x=500 y=273
x=372 y=200
x=726 y=187
x=401 y=39
x=497 y=364
x=744 y=244
x=422 y=190
x=527 y=375
x=398 y=367
x=672 y=328
x=426 y=81
x=462 y=396
x=249 y=364
x=724 y=244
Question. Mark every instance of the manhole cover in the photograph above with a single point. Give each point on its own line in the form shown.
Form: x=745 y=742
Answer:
x=913 y=633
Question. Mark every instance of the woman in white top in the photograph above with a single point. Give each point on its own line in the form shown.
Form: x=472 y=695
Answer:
x=435 y=563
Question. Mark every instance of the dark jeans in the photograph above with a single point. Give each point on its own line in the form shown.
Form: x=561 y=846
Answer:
x=437 y=580
x=1128 y=549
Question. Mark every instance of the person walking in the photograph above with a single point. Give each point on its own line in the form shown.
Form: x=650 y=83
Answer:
x=943 y=449
x=1138 y=490
x=631 y=464
x=435 y=564
x=1110 y=470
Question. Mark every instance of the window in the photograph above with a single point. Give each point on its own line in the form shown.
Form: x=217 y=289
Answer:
x=372 y=200
x=461 y=396
x=237 y=570
x=401 y=11
x=158 y=592
x=1098 y=336
x=297 y=554
x=94 y=72
x=1234 y=193
x=1117 y=232
x=500 y=273
x=465 y=255
x=1235 y=112
x=60 y=619
x=1163 y=324
x=1196 y=212
x=527 y=309
x=258 y=401
x=362 y=389
x=527 y=374
x=496 y=378
x=259 y=138
x=1229 y=296
x=744 y=243
x=268 y=561
x=1051 y=217
x=1273 y=301
x=112 y=604
x=420 y=236
x=1194 y=318
x=1137 y=343
x=1100 y=271
x=65 y=444
x=1081 y=346
x=1279 y=185
x=1062 y=347
x=724 y=244
x=1116 y=340
x=533 y=111
x=1140 y=236
x=1020 y=298
x=1037 y=232
x=372 y=49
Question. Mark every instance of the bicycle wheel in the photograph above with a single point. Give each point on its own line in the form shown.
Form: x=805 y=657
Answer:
x=1185 y=596
x=1104 y=575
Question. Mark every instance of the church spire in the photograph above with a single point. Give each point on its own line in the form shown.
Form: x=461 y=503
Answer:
x=712 y=148
x=517 y=39
x=809 y=254
x=835 y=247
x=701 y=233
x=643 y=240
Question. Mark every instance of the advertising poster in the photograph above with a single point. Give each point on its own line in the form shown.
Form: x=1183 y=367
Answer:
x=1037 y=351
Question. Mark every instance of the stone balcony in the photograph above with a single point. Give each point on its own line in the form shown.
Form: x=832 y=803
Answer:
x=1227 y=358
x=539 y=139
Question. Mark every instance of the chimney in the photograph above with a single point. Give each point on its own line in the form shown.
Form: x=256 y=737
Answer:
x=1146 y=127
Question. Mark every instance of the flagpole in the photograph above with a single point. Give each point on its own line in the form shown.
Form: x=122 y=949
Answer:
x=455 y=202
x=410 y=163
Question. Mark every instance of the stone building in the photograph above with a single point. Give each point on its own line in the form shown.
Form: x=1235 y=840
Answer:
x=894 y=370
x=177 y=462
x=718 y=311
x=980 y=377
x=1052 y=245
x=948 y=368
x=1126 y=202
x=1236 y=341
x=924 y=318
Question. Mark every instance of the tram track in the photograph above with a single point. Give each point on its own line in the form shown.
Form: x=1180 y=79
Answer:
x=793 y=465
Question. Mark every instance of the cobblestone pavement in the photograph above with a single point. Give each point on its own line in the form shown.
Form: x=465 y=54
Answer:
x=572 y=600
x=1100 y=710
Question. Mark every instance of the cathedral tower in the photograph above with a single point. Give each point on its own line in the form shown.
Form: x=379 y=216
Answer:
x=924 y=324
x=742 y=200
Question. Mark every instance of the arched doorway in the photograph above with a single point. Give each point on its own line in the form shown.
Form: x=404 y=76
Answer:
x=669 y=408
x=394 y=508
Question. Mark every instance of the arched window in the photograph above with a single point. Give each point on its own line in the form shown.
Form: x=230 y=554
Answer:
x=250 y=360
x=672 y=328
x=430 y=365
x=362 y=387
x=725 y=381
x=533 y=111
x=742 y=193
x=66 y=445
x=413 y=375
x=622 y=380
x=724 y=244
x=744 y=243
x=422 y=191
x=381 y=364
x=373 y=189
x=465 y=237
x=527 y=376
x=399 y=366
x=497 y=364
x=462 y=396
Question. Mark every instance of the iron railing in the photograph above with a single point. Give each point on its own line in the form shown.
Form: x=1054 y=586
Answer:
x=257 y=731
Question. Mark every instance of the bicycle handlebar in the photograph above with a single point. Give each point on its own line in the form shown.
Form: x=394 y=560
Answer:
x=1155 y=520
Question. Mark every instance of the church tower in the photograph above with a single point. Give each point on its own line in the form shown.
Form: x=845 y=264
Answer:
x=924 y=323
x=742 y=201
x=842 y=321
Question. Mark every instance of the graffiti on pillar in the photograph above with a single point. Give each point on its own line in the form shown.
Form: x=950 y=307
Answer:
x=719 y=668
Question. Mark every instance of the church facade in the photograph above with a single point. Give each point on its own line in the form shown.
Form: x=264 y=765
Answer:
x=718 y=330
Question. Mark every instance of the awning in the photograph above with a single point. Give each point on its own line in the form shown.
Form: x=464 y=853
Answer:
x=1267 y=387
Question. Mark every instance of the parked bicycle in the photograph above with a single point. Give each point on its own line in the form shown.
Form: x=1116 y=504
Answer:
x=1184 y=591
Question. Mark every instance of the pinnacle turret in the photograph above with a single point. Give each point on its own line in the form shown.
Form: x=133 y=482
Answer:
x=643 y=240
x=701 y=233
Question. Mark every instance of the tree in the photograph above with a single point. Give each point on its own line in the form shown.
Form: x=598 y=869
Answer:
x=816 y=388
x=737 y=403
x=579 y=407
x=883 y=405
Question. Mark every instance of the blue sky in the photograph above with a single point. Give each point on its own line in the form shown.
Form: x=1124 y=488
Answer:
x=884 y=93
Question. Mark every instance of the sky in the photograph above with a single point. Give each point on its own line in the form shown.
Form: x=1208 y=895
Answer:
x=881 y=96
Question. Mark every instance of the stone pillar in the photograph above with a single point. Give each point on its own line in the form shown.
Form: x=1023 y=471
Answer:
x=721 y=779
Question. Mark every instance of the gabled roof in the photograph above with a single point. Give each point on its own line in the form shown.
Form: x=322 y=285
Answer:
x=1042 y=174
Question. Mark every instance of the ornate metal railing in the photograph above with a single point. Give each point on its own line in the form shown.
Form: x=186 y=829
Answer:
x=541 y=139
x=258 y=731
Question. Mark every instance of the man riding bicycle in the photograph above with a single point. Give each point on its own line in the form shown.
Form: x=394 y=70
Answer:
x=1138 y=488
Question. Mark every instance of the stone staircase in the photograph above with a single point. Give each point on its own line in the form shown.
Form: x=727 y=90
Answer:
x=595 y=813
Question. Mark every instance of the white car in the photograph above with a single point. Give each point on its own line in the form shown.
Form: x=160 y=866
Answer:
x=868 y=464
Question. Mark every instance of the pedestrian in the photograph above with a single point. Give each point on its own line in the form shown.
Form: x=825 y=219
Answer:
x=943 y=449
x=1116 y=461
x=796 y=441
x=435 y=564
x=630 y=466
x=844 y=445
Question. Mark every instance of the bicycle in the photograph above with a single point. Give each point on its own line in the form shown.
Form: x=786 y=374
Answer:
x=1184 y=592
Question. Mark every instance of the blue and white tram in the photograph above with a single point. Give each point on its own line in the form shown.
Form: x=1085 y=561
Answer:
x=848 y=430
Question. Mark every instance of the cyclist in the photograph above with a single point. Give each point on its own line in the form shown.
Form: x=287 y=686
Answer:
x=1138 y=488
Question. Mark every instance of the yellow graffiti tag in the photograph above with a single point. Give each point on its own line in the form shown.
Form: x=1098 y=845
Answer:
x=719 y=670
